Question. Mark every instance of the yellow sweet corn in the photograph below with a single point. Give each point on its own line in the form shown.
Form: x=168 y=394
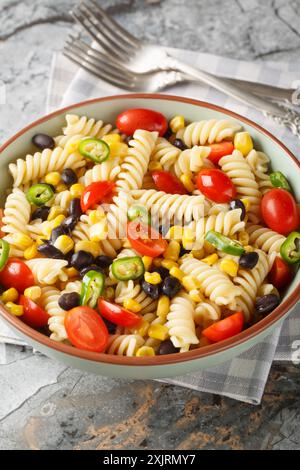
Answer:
x=246 y=203
x=76 y=189
x=248 y=248
x=195 y=295
x=152 y=278
x=168 y=264
x=64 y=243
x=142 y=328
x=132 y=305
x=61 y=187
x=145 y=351
x=243 y=237
x=99 y=231
x=229 y=266
x=208 y=247
x=177 y=123
x=71 y=272
x=112 y=138
x=126 y=243
x=31 y=252
x=33 y=292
x=187 y=182
x=198 y=254
x=211 y=259
x=243 y=142
x=96 y=216
x=72 y=146
x=15 y=309
x=160 y=332
x=188 y=238
x=175 y=232
x=89 y=246
x=147 y=261
x=163 y=307
x=189 y=283
x=154 y=166
x=176 y=272
x=39 y=241
x=109 y=293
x=53 y=178
x=22 y=240
x=56 y=222
x=10 y=295
x=54 y=212
x=118 y=149
x=173 y=250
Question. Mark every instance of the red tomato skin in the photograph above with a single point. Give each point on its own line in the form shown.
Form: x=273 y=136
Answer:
x=95 y=193
x=225 y=328
x=33 y=315
x=117 y=314
x=16 y=274
x=94 y=334
x=139 y=118
x=165 y=181
x=145 y=240
x=220 y=150
x=281 y=274
x=216 y=185
x=279 y=211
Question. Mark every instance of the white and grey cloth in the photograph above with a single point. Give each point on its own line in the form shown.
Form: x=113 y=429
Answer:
x=244 y=377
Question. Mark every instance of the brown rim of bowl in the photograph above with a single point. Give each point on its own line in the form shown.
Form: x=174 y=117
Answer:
x=205 y=351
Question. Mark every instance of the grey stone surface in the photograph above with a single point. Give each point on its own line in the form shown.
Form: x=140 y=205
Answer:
x=46 y=406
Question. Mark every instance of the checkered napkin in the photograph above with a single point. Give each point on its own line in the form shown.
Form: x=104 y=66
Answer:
x=244 y=377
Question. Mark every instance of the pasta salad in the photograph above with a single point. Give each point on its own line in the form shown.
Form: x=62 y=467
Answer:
x=146 y=237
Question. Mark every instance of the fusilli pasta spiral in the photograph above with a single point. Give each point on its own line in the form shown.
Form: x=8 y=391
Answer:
x=192 y=160
x=16 y=217
x=206 y=313
x=180 y=322
x=124 y=345
x=208 y=132
x=81 y=125
x=265 y=238
x=259 y=164
x=47 y=270
x=165 y=153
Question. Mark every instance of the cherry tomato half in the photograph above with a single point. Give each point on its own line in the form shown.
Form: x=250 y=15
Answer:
x=145 y=240
x=225 y=328
x=118 y=315
x=86 y=329
x=216 y=185
x=1 y=223
x=279 y=211
x=139 y=118
x=281 y=274
x=218 y=151
x=16 y=274
x=33 y=315
x=95 y=193
x=165 y=181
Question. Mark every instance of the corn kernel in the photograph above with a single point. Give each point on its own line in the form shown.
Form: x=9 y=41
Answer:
x=195 y=295
x=198 y=254
x=176 y=123
x=71 y=272
x=145 y=351
x=53 y=178
x=155 y=166
x=61 y=187
x=248 y=248
x=31 y=252
x=175 y=232
x=208 y=247
x=96 y=216
x=54 y=212
x=173 y=250
x=109 y=293
x=39 y=241
x=15 y=309
x=64 y=244
x=211 y=259
x=76 y=189
x=243 y=237
x=187 y=182
x=246 y=203
x=243 y=142
x=118 y=149
x=168 y=264
x=176 y=272
x=142 y=328
x=147 y=261
x=89 y=246
x=158 y=332
x=163 y=307
x=57 y=221
x=152 y=278
x=33 y=292
x=157 y=262
x=132 y=305
x=229 y=266
x=126 y=243
x=10 y=295
x=99 y=231
x=189 y=283
x=188 y=238
x=112 y=138
x=22 y=240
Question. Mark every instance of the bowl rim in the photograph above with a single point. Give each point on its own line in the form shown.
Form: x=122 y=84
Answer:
x=170 y=359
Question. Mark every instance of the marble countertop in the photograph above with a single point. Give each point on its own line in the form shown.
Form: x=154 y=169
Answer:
x=45 y=405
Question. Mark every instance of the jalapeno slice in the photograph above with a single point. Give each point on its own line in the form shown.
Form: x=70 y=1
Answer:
x=139 y=212
x=4 y=253
x=39 y=194
x=95 y=149
x=278 y=180
x=128 y=268
x=225 y=244
x=290 y=249
x=92 y=288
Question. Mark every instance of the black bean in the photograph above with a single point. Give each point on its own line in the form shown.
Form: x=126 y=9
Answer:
x=163 y=272
x=69 y=300
x=179 y=144
x=110 y=326
x=41 y=213
x=81 y=259
x=43 y=141
x=171 y=286
x=266 y=303
x=103 y=261
x=248 y=260
x=75 y=208
x=168 y=133
x=93 y=267
x=183 y=251
x=2 y=289
x=57 y=232
x=167 y=347
x=152 y=290
x=238 y=204
x=69 y=176
x=50 y=251
x=69 y=223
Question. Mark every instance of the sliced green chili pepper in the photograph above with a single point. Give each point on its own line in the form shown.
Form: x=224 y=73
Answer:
x=128 y=268
x=225 y=244
x=290 y=249
x=39 y=194
x=278 y=180
x=4 y=253
x=139 y=212
x=94 y=149
x=92 y=288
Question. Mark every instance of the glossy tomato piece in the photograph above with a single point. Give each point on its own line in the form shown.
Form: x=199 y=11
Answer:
x=145 y=240
x=216 y=185
x=33 y=315
x=279 y=211
x=139 y=118
x=218 y=151
x=16 y=274
x=96 y=193
x=225 y=328
x=86 y=329
x=165 y=181
x=117 y=314
x=281 y=274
